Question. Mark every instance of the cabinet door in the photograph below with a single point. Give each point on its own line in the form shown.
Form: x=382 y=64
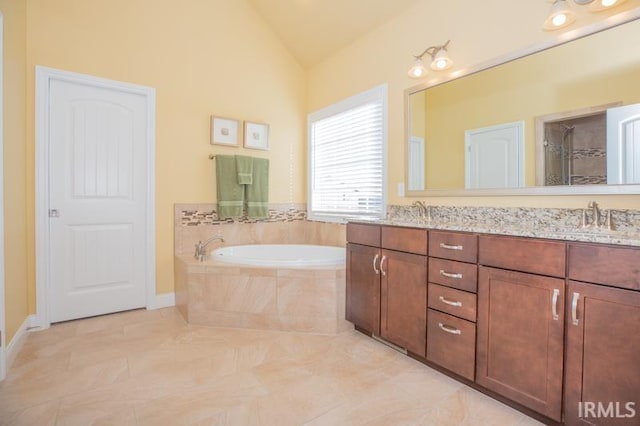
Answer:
x=363 y=287
x=404 y=300
x=520 y=338
x=602 y=381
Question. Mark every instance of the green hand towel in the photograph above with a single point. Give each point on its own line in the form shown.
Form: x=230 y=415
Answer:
x=230 y=193
x=258 y=191
x=244 y=165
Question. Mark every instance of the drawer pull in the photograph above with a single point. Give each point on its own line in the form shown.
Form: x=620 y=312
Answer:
x=375 y=259
x=449 y=329
x=554 y=304
x=574 y=309
x=450 y=275
x=449 y=302
x=450 y=247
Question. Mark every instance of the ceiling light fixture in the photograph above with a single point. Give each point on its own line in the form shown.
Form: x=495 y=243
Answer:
x=440 y=61
x=561 y=14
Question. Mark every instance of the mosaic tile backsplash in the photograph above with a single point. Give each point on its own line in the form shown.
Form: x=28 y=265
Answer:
x=288 y=224
x=191 y=215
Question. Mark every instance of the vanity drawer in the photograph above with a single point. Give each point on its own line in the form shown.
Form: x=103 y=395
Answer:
x=614 y=266
x=451 y=343
x=360 y=233
x=523 y=254
x=454 y=246
x=463 y=276
x=410 y=240
x=452 y=301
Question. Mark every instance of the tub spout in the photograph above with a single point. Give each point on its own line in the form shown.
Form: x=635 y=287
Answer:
x=201 y=248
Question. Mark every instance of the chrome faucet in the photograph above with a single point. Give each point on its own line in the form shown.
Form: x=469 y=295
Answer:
x=201 y=248
x=424 y=211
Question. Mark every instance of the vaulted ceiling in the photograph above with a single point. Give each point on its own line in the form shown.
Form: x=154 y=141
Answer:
x=314 y=29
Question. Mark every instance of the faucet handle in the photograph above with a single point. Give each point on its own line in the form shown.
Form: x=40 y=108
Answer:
x=585 y=221
x=608 y=222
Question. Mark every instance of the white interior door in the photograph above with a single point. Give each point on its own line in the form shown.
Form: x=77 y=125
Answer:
x=3 y=331
x=416 y=163
x=98 y=183
x=495 y=156
x=623 y=144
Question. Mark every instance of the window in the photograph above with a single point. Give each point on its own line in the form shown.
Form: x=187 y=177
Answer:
x=347 y=144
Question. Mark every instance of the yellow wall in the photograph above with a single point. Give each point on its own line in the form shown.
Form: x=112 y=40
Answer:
x=14 y=121
x=478 y=35
x=203 y=57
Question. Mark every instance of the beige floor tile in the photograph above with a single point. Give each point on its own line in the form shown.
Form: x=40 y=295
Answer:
x=151 y=368
x=40 y=415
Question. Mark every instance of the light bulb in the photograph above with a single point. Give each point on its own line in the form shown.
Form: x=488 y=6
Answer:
x=441 y=64
x=418 y=69
x=559 y=20
x=608 y=3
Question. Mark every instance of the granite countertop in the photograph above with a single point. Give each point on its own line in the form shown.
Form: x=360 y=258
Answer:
x=591 y=235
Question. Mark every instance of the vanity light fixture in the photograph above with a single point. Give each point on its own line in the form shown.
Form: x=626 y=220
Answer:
x=561 y=14
x=439 y=60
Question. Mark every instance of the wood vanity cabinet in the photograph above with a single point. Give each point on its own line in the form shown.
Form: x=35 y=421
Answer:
x=603 y=335
x=451 y=317
x=387 y=283
x=553 y=326
x=363 y=288
x=521 y=321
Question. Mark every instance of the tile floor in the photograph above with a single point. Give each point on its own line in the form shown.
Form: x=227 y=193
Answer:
x=151 y=368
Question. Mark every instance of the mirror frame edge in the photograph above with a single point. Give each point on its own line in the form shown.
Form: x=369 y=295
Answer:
x=610 y=22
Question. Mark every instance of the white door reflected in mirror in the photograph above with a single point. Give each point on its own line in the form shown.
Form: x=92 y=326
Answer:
x=623 y=144
x=494 y=156
x=416 y=163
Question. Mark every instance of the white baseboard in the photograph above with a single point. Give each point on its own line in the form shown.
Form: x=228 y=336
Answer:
x=14 y=346
x=165 y=300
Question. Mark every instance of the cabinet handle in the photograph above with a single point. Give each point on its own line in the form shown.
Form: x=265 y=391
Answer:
x=375 y=259
x=384 y=273
x=574 y=309
x=554 y=304
x=450 y=275
x=449 y=302
x=449 y=329
x=450 y=247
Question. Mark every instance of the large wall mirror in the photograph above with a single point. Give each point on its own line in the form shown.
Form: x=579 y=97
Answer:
x=565 y=120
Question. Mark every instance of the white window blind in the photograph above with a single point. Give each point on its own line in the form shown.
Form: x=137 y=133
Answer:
x=347 y=158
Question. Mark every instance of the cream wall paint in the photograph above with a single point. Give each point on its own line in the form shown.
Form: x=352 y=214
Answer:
x=203 y=57
x=15 y=194
x=478 y=34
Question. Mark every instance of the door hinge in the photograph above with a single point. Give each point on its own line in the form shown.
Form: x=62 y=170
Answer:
x=54 y=213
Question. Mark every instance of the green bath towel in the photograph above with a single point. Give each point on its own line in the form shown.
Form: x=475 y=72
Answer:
x=230 y=193
x=244 y=165
x=258 y=191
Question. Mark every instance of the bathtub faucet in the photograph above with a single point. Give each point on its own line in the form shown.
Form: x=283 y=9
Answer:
x=201 y=248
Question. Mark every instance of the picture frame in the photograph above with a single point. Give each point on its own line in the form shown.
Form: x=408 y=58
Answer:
x=224 y=131
x=256 y=135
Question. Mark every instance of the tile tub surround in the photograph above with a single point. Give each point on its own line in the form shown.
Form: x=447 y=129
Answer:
x=287 y=224
x=552 y=223
x=224 y=295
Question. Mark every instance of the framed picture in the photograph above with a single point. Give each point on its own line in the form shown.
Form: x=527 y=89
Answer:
x=256 y=135
x=224 y=131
